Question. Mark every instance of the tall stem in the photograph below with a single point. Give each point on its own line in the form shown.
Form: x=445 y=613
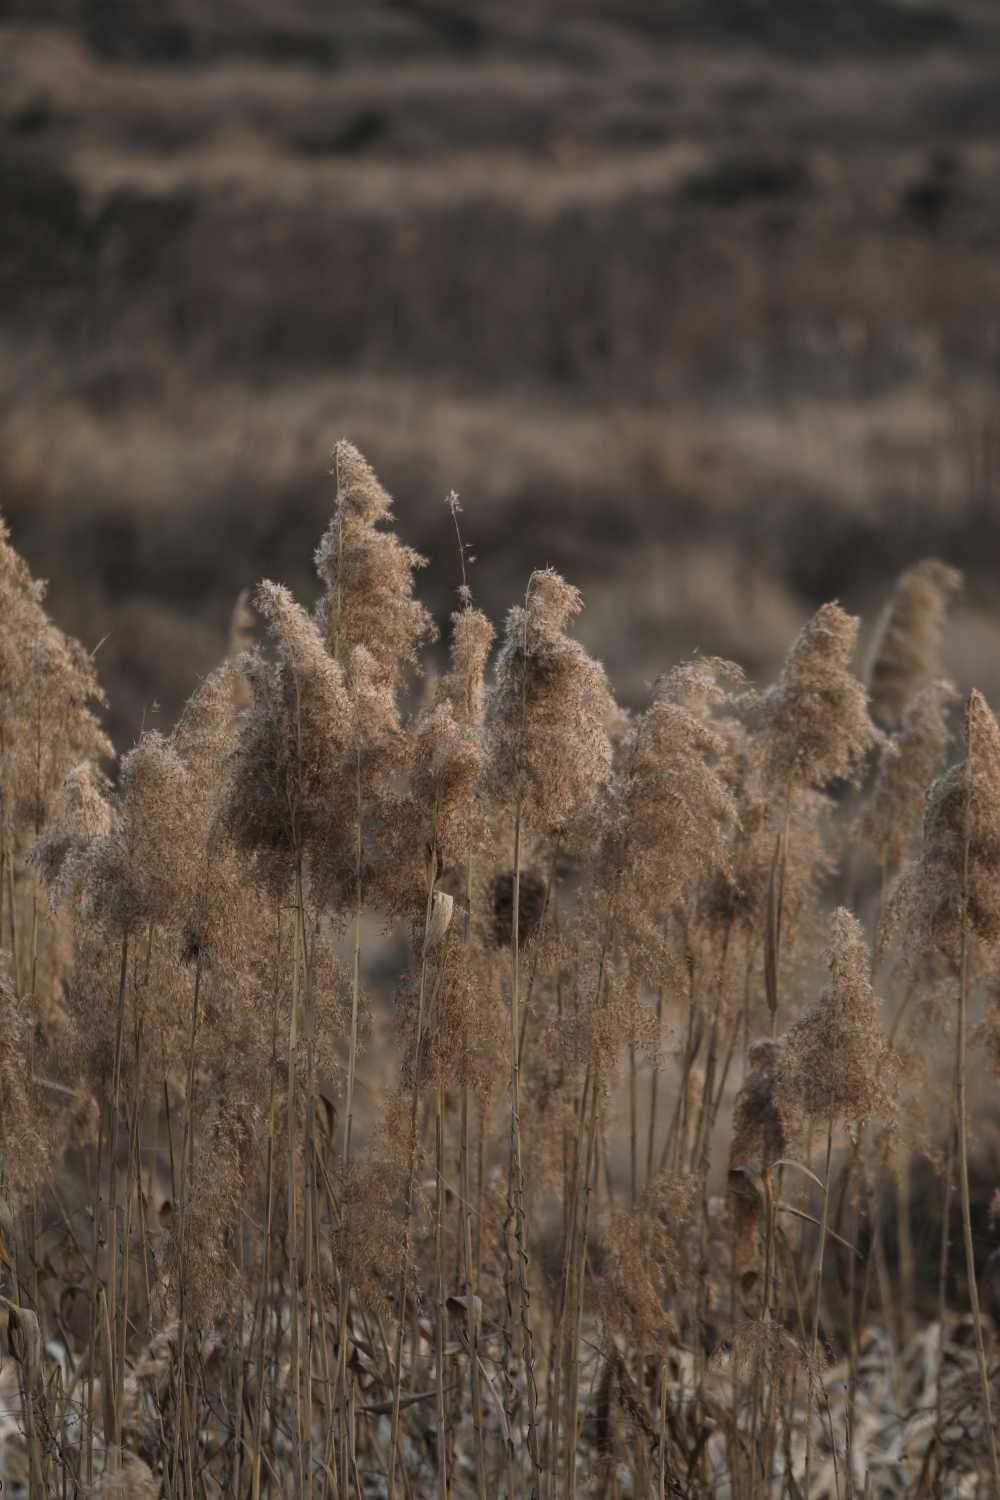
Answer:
x=814 y=1340
x=573 y=1414
x=310 y=1190
x=355 y=977
x=113 y=1396
x=441 y=1312
x=397 y=1373
x=654 y=1089
x=516 y=1189
x=472 y=1318
x=293 y=1237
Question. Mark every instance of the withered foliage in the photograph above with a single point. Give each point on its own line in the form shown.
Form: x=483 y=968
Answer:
x=328 y=1185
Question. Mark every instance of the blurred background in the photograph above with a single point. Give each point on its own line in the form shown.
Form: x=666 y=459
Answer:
x=696 y=300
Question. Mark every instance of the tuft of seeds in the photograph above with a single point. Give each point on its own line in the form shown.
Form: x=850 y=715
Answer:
x=905 y=658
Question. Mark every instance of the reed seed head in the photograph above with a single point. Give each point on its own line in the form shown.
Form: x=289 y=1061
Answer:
x=816 y=728
x=837 y=1063
x=908 y=763
x=906 y=655
x=367 y=575
x=548 y=712
x=956 y=877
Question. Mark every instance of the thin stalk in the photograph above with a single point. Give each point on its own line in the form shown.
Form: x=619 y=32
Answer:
x=345 y=1284
x=938 y=1441
x=3 y=861
x=765 y=1317
x=440 y=1330
x=573 y=1413
x=853 y=1339
x=572 y=1198
x=309 y=1144
x=14 y=940
x=814 y=1338
x=907 y=1275
x=515 y=1201
x=775 y=913
x=338 y=613
x=292 y=1213
x=258 y=1426
x=471 y=1279
x=654 y=1090
x=661 y=1486
x=403 y=1288
x=93 y=1190
x=355 y=974
x=633 y=1127
x=113 y=1396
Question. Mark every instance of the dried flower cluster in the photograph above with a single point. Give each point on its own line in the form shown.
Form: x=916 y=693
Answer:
x=549 y=711
x=910 y=760
x=369 y=1058
x=906 y=656
x=955 y=879
x=837 y=1063
x=817 y=726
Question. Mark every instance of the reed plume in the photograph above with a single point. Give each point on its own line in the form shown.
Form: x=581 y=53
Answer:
x=816 y=728
x=909 y=761
x=837 y=1062
x=670 y=816
x=937 y=900
x=905 y=657
x=548 y=711
x=367 y=574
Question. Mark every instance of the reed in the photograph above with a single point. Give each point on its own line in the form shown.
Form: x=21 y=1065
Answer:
x=411 y=1087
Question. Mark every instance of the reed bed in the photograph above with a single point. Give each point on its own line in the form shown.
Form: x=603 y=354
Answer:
x=610 y=1191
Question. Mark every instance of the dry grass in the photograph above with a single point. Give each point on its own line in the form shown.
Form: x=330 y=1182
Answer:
x=431 y=1071
x=437 y=1091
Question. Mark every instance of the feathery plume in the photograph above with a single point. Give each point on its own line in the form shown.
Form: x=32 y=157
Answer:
x=837 y=1062
x=84 y=815
x=368 y=575
x=908 y=763
x=816 y=724
x=140 y=871
x=548 y=711
x=286 y=782
x=47 y=688
x=929 y=898
x=465 y=683
x=670 y=814
x=905 y=657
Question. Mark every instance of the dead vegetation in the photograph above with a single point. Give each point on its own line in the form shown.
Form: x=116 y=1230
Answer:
x=596 y=1195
